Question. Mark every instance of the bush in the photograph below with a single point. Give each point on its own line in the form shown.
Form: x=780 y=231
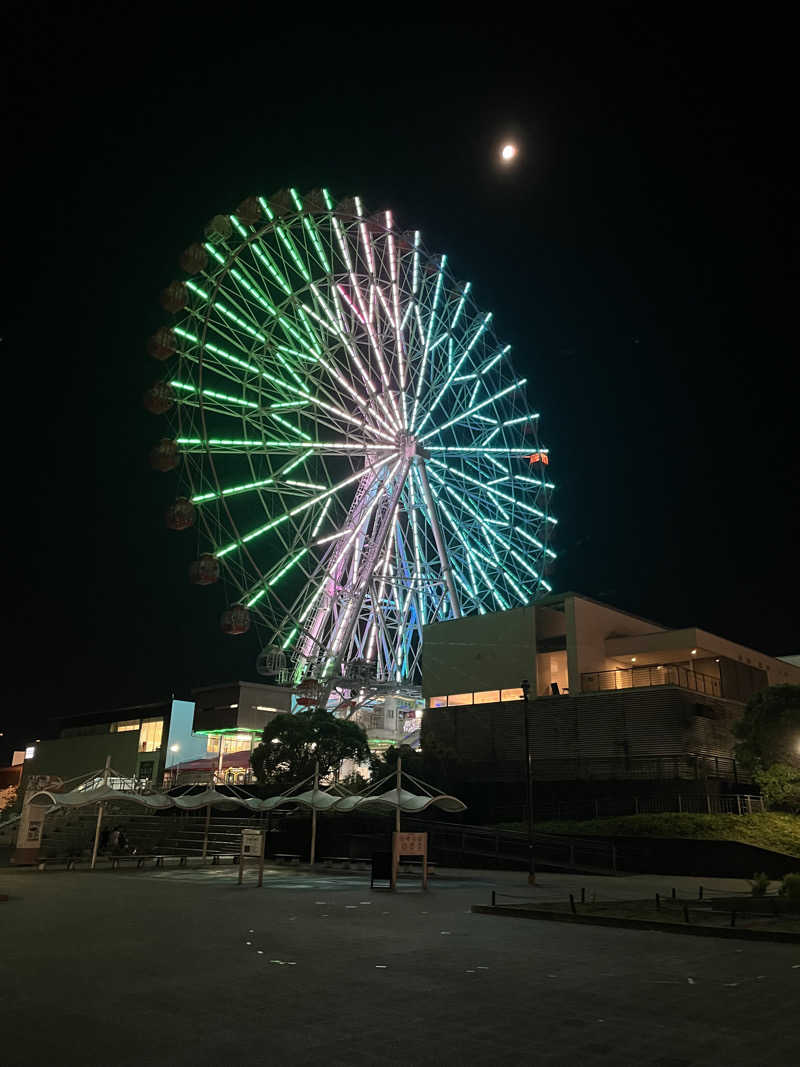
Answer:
x=780 y=785
x=791 y=887
x=759 y=884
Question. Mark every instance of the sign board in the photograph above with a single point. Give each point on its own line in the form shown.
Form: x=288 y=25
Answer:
x=412 y=844
x=252 y=852
x=29 y=833
x=404 y=844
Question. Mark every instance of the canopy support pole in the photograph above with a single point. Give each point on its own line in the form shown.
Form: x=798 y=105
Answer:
x=100 y=808
x=399 y=786
x=314 y=814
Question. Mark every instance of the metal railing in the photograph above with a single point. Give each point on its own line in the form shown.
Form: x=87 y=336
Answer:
x=610 y=807
x=647 y=677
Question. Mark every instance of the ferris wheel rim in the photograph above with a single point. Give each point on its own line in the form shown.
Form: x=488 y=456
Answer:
x=439 y=468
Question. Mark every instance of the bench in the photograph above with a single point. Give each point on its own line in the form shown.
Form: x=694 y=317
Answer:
x=336 y=862
x=290 y=858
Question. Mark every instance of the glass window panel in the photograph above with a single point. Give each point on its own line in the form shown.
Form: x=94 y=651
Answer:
x=150 y=735
x=490 y=696
x=124 y=727
x=437 y=702
x=212 y=743
x=511 y=694
x=457 y=700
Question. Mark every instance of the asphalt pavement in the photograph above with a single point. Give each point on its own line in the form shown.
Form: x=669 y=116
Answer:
x=184 y=966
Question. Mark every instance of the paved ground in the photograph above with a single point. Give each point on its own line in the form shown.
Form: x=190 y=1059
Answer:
x=184 y=966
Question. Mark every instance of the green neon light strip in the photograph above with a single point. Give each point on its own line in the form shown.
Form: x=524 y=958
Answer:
x=477 y=407
x=480 y=450
x=288 y=425
x=333 y=447
x=276 y=577
x=289 y=514
x=471 y=552
x=494 y=360
x=289 y=639
x=421 y=376
x=456 y=369
x=263 y=255
x=213 y=395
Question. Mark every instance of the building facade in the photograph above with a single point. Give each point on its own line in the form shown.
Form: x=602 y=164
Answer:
x=610 y=695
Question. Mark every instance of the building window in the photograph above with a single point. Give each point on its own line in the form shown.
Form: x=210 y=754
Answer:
x=511 y=694
x=490 y=696
x=124 y=727
x=212 y=743
x=150 y=735
x=457 y=700
x=437 y=702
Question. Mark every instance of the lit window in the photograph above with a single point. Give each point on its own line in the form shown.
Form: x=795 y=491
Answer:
x=236 y=743
x=511 y=694
x=212 y=743
x=124 y=727
x=437 y=702
x=490 y=696
x=457 y=700
x=150 y=735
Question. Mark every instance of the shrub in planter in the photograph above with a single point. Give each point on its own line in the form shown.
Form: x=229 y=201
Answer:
x=791 y=887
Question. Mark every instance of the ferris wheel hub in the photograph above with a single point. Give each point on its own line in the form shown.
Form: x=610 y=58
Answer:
x=409 y=446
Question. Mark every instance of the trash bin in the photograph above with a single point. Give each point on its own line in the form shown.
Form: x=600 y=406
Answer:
x=381 y=868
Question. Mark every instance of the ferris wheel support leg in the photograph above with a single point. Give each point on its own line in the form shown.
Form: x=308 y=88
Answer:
x=447 y=571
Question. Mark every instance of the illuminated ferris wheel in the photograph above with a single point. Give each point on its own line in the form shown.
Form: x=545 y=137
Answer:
x=356 y=450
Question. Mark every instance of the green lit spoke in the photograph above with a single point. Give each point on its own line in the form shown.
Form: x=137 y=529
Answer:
x=299 y=509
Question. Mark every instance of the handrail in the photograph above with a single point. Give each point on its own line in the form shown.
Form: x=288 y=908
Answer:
x=648 y=677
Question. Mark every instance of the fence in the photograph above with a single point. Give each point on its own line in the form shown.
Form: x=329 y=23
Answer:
x=609 y=807
x=645 y=677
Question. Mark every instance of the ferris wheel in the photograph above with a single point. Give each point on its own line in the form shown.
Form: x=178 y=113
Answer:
x=357 y=452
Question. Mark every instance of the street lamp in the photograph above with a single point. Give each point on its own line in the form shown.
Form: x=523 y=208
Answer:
x=525 y=686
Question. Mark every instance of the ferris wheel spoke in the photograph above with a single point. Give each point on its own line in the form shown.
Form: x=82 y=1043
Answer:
x=309 y=344
x=456 y=368
x=475 y=407
x=472 y=555
x=427 y=338
x=299 y=509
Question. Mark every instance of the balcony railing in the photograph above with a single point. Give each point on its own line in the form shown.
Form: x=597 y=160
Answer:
x=644 y=677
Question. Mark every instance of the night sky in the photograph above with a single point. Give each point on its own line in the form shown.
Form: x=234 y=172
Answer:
x=638 y=256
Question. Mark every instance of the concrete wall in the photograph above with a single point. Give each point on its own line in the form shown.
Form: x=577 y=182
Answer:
x=480 y=652
x=588 y=626
x=68 y=757
x=602 y=729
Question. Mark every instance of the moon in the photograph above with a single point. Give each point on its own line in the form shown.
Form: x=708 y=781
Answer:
x=508 y=152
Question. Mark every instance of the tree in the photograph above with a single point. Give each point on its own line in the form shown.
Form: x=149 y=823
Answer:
x=291 y=744
x=435 y=763
x=8 y=797
x=769 y=730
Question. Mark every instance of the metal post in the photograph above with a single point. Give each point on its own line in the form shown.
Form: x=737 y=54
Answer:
x=205 y=831
x=100 y=808
x=447 y=572
x=314 y=814
x=529 y=781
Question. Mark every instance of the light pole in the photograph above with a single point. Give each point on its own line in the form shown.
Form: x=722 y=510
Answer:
x=529 y=782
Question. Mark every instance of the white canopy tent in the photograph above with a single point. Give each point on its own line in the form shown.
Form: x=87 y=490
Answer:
x=336 y=800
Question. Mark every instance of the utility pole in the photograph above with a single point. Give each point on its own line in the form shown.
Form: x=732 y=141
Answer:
x=529 y=782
